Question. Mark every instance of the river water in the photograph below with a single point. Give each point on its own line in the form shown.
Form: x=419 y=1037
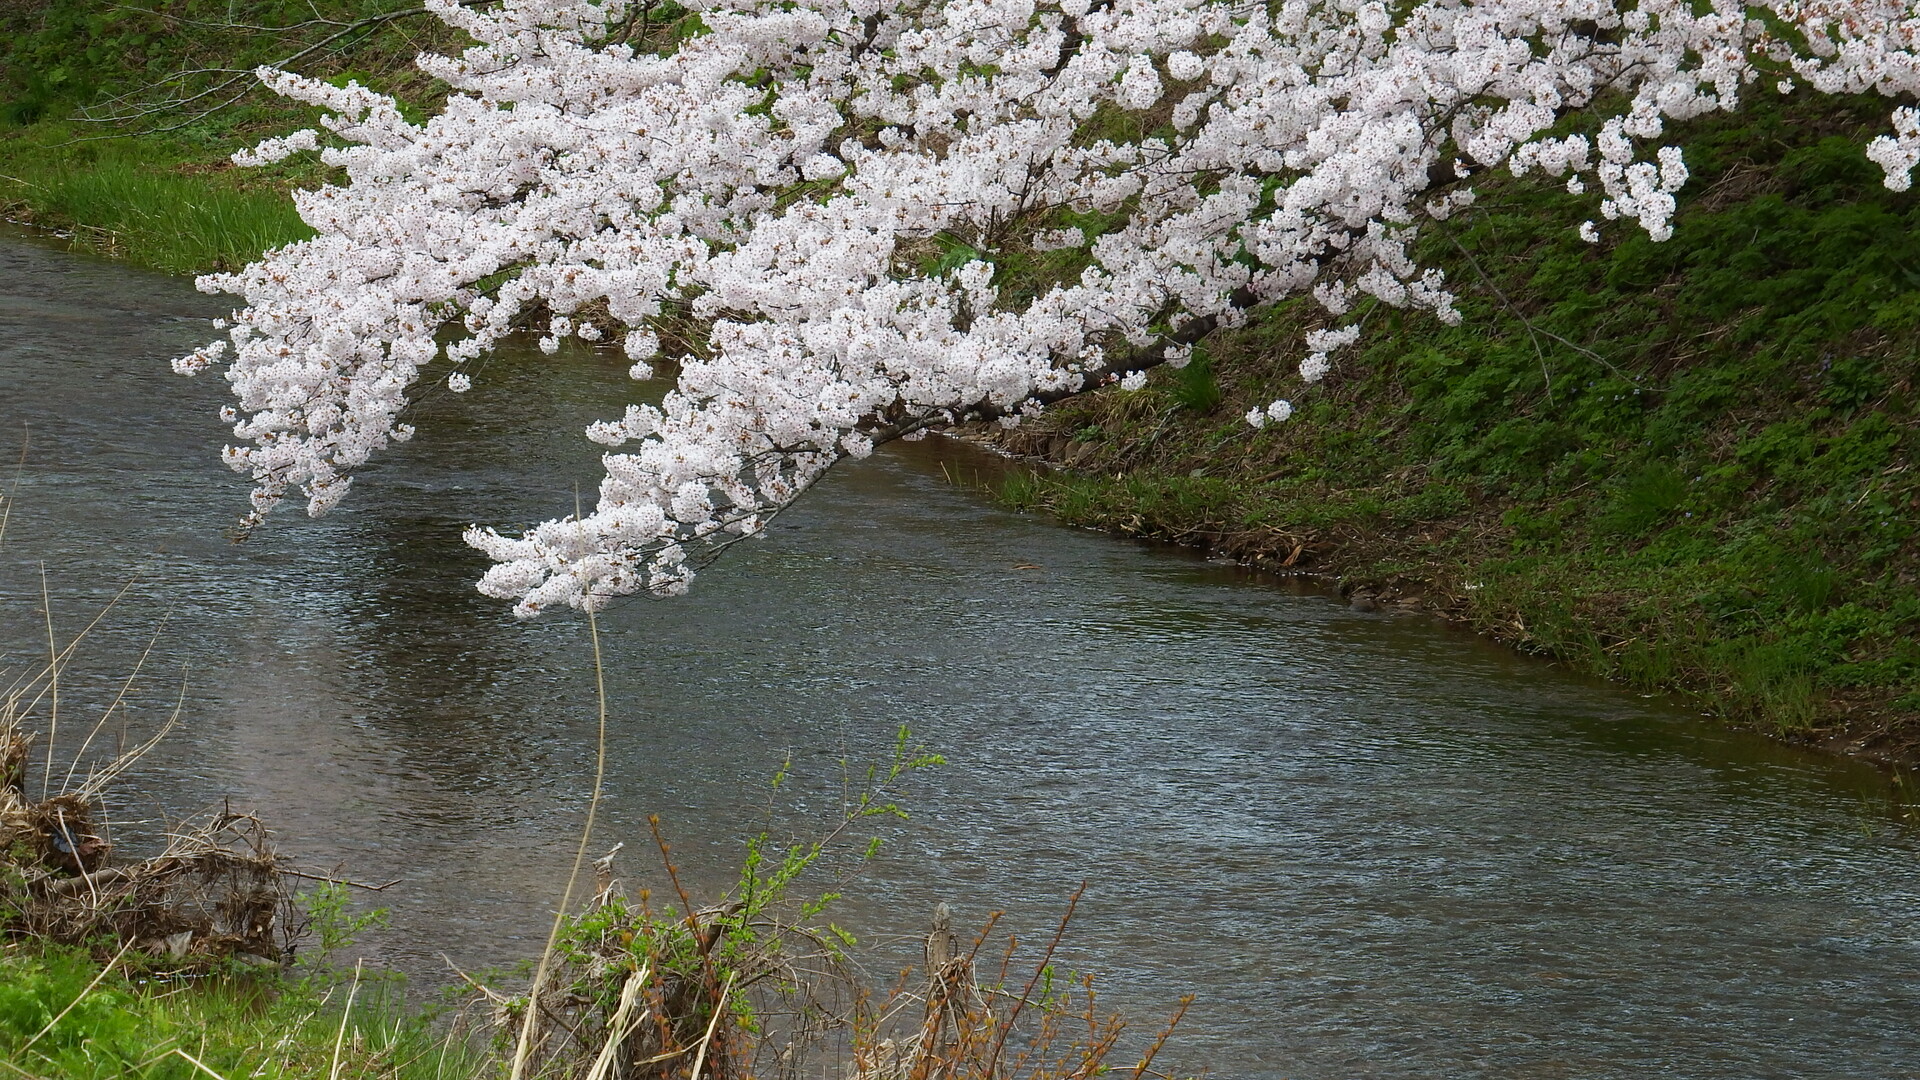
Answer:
x=1370 y=845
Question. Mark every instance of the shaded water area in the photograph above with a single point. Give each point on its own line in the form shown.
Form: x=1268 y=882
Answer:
x=1370 y=845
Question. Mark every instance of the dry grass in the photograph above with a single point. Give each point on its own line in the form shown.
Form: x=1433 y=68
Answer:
x=635 y=993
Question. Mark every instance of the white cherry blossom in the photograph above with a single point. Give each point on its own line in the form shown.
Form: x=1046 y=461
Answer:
x=828 y=189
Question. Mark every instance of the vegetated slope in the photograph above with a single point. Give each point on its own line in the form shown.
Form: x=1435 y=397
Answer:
x=146 y=60
x=157 y=188
x=117 y=119
x=1683 y=465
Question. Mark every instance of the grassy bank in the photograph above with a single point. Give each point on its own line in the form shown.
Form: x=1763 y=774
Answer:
x=64 y=1014
x=1683 y=465
x=167 y=206
x=155 y=187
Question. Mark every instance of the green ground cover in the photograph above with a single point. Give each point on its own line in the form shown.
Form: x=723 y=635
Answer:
x=64 y=1015
x=155 y=187
x=156 y=204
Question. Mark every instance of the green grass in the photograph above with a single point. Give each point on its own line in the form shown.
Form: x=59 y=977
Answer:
x=168 y=199
x=1681 y=465
x=1194 y=387
x=169 y=206
x=62 y=1016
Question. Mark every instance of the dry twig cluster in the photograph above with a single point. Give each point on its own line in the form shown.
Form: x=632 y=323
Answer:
x=214 y=891
x=635 y=993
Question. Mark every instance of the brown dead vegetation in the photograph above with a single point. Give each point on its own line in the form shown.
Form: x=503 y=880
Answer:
x=216 y=890
x=639 y=993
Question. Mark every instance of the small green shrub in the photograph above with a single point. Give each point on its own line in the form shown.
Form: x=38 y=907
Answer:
x=332 y=923
x=1195 y=387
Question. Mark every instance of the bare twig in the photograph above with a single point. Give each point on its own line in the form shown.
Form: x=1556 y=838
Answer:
x=342 y=881
x=1534 y=333
x=1045 y=958
x=335 y=41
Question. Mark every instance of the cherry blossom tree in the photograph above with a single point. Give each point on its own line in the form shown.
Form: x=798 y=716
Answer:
x=827 y=191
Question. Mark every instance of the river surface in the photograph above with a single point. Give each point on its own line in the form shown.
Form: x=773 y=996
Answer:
x=1370 y=845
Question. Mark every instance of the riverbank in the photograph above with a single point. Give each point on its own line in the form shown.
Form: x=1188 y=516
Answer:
x=208 y=955
x=160 y=204
x=1683 y=466
x=215 y=957
x=117 y=122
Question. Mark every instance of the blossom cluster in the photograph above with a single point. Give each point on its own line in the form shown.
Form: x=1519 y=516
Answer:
x=779 y=177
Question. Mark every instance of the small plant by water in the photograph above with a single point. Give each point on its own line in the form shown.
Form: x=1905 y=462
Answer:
x=759 y=983
x=1195 y=388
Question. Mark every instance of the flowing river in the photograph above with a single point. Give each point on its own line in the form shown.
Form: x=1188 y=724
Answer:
x=1370 y=845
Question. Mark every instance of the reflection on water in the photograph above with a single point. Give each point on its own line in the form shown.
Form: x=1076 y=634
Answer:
x=1371 y=845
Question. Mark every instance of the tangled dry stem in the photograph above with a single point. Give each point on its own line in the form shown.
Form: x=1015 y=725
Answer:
x=215 y=891
x=635 y=994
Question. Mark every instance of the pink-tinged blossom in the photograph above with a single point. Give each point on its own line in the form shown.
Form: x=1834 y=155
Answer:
x=776 y=182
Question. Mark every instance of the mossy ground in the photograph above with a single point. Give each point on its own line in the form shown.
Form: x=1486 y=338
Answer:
x=1683 y=465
